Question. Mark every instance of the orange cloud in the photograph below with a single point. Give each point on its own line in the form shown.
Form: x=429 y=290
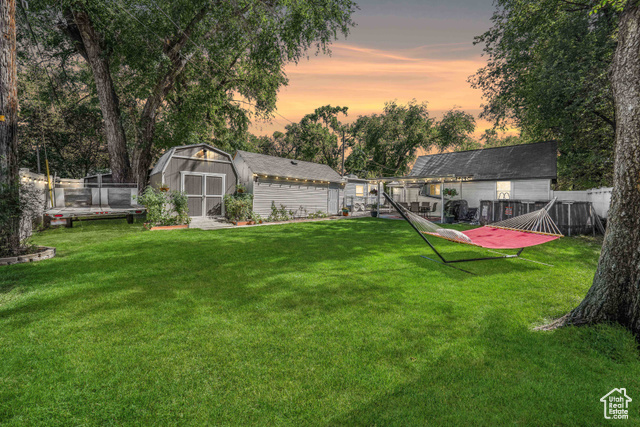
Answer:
x=363 y=79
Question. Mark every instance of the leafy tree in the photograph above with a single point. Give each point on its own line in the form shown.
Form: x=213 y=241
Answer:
x=547 y=73
x=491 y=138
x=70 y=130
x=391 y=140
x=387 y=144
x=614 y=296
x=455 y=131
x=165 y=70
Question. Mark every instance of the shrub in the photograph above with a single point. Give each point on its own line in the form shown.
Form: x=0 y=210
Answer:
x=165 y=208
x=238 y=207
x=279 y=214
x=180 y=203
x=319 y=214
x=20 y=205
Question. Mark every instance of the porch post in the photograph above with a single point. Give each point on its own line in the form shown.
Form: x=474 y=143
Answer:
x=379 y=198
x=442 y=201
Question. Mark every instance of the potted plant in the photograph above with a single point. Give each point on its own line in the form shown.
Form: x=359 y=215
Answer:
x=374 y=210
x=345 y=211
x=374 y=191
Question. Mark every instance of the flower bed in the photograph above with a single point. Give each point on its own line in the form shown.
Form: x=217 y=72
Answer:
x=166 y=227
x=42 y=252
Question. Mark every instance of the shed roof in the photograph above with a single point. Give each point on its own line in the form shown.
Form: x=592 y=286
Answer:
x=288 y=168
x=527 y=161
x=164 y=159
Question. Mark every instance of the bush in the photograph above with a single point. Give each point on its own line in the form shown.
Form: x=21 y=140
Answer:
x=20 y=205
x=279 y=214
x=165 y=208
x=238 y=207
x=180 y=203
x=319 y=214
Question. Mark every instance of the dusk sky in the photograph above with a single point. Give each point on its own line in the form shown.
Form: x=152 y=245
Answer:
x=399 y=50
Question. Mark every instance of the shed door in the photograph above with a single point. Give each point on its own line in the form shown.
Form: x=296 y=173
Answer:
x=214 y=192
x=332 y=207
x=205 y=192
x=193 y=186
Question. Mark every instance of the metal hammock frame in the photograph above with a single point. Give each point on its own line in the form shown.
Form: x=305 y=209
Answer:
x=537 y=222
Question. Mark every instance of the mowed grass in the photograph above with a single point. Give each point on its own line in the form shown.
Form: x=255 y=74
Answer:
x=327 y=323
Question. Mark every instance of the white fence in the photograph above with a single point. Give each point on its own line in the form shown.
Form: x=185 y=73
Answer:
x=599 y=197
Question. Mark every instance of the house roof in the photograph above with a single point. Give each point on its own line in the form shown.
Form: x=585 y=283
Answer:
x=262 y=164
x=162 y=162
x=527 y=161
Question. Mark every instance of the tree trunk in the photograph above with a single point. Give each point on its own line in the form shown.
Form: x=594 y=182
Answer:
x=8 y=94
x=147 y=125
x=9 y=178
x=614 y=295
x=109 y=103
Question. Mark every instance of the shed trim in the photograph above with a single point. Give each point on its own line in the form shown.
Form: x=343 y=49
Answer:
x=171 y=152
x=201 y=160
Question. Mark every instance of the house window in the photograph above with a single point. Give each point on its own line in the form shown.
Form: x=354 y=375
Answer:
x=359 y=190
x=503 y=190
x=434 y=189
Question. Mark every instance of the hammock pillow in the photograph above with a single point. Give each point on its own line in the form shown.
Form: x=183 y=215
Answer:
x=454 y=235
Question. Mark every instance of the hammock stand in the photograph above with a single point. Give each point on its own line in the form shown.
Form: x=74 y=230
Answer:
x=534 y=223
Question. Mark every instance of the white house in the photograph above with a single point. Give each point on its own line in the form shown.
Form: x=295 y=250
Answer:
x=523 y=172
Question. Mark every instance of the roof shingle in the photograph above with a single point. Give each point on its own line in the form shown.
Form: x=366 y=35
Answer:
x=527 y=161
x=287 y=168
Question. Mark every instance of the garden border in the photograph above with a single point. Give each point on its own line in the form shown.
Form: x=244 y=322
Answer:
x=44 y=252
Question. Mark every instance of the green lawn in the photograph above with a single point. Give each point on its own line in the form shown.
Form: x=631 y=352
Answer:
x=327 y=323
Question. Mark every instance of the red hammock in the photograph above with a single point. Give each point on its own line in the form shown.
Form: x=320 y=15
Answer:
x=500 y=238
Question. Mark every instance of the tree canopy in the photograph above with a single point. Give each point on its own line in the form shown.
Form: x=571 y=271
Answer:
x=173 y=72
x=547 y=73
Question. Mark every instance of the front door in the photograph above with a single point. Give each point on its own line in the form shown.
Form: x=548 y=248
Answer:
x=332 y=207
x=205 y=193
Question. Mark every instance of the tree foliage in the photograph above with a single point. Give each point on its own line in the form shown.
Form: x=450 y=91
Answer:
x=382 y=144
x=547 y=73
x=68 y=129
x=170 y=72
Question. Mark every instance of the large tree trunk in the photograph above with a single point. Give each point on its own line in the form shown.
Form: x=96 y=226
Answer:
x=9 y=179
x=109 y=104
x=8 y=94
x=614 y=295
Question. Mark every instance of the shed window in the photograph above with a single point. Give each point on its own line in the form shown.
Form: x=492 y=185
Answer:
x=503 y=190
x=359 y=190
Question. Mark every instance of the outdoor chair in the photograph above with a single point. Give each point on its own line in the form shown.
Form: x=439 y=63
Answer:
x=425 y=208
x=415 y=207
x=434 y=207
x=404 y=205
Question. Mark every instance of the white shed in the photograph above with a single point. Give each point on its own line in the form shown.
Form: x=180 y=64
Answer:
x=303 y=187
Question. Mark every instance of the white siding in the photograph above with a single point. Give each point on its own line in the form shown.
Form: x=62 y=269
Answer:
x=475 y=191
x=245 y=176
x=312 y=197
x=531 y=189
